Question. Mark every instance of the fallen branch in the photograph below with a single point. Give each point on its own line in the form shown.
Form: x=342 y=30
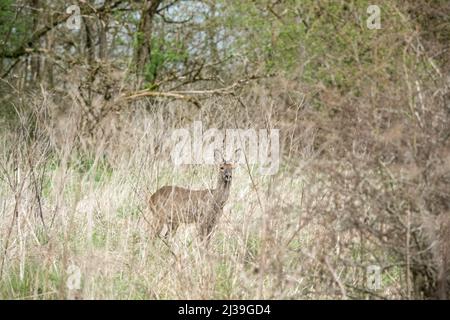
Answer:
x=190 y=95
x=146 y=93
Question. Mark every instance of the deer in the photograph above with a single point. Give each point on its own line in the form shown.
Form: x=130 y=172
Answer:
x=173 y=205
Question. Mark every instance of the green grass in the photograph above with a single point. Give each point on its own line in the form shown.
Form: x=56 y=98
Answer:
x=224 y=281
x=119 y=260
x=35 y=281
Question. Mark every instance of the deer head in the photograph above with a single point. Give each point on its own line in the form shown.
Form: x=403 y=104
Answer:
x=226 y=167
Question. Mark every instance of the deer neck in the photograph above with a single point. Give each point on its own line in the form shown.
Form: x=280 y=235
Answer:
x=222 y=192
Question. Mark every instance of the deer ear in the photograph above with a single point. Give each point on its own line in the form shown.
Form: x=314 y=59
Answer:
x=218 y=156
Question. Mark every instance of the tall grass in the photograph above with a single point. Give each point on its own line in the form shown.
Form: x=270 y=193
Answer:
x=66 y=202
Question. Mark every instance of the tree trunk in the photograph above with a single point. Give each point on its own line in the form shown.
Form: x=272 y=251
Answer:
x=144 y=36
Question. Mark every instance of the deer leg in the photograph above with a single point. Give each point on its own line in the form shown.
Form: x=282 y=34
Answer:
x=206 y=231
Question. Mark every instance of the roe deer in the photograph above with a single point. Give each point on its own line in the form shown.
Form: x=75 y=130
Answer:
x=172 y=205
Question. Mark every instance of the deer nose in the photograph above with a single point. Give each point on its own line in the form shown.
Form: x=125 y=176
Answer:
x=227 y=176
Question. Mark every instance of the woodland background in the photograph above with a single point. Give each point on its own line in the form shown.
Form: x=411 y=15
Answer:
x=364 y=122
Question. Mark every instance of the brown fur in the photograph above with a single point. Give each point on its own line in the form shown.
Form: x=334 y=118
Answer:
x=172 y=205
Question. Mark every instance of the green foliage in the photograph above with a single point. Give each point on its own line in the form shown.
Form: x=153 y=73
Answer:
x=324 y=41
x=165 y=55
x=100 y=169
x=14 y=28
x=99 y=238
x=8 y=113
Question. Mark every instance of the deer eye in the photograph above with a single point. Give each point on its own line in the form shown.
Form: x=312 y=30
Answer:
x=222 y=167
